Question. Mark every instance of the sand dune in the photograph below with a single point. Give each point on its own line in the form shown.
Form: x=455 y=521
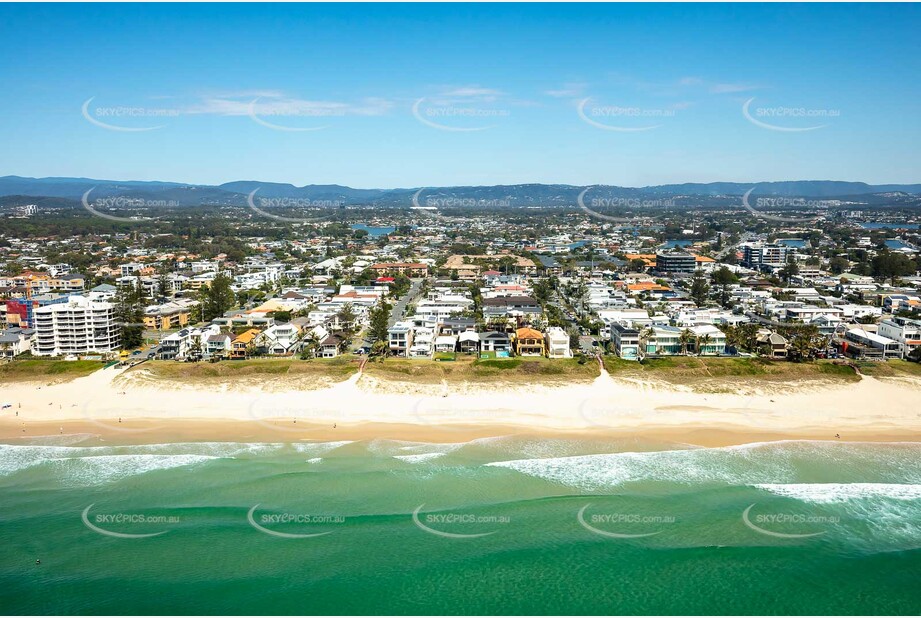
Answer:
x=103 y=403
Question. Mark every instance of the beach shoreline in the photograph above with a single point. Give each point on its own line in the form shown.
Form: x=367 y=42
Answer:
x=112 y=406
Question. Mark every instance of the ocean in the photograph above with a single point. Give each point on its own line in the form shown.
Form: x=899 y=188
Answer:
x=505 y=525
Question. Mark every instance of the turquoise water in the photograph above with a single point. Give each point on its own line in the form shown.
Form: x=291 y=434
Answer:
x=671 y=244
x=664 y=528
x=874 y=225
x=372 y=231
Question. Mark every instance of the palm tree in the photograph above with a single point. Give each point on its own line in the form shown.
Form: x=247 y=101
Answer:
x=684 y=339
x=702 y=342
x=644 y=337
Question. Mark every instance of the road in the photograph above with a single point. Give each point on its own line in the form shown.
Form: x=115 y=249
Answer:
x=398 y=308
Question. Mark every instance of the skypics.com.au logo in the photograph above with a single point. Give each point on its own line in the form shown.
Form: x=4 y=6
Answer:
x=621 y=119
x=783 y=119
x=456 y=525
x=466 y=109
x=613 y=525
x=431 y=202
x=289 y=203
x=783 y=203
x=272 y=523
x=126 y=119
x=599 y=201
x=122 y=203
x=787 y=525
x=115 y=525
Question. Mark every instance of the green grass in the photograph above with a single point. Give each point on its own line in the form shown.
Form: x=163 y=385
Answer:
x=890 y=369
x=691 y=369
x=39 y=370
x=335 y=368
x=525 y=370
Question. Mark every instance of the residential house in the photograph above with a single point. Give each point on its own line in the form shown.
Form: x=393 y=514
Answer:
x=557 y=343
x=331 y=347
x=494 y=341
x=218 y=345
x=410 y=269
x=626 y=341
x=15 y=341
x=504 y=306
x=446 y=343
x=772 y=345
x=279 y=340
x=529 y=342
x=240 y=346
x=708 y=340
x=469 y=342
x=861 y=344
x=904 y=330
x=662 y=340
x=400 y=338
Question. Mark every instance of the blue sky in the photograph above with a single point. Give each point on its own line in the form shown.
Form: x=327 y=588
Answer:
x=425 y=95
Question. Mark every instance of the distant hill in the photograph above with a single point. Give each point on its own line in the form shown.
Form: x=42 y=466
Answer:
x=235 y=193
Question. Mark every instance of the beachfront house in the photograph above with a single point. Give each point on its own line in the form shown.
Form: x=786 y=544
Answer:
x=241 y=346
x=469 y=342
x=446 y=343
x=217 y=345
x=772 y=345
x=494 y=341
x=14 y=341
x=904 y=330
x=626 y=341
x=660 y=340
x=331 y=347
x=557 y=341
x=400 y=338
x=279 y=340
x=708 y=340
x=529 y=342
x=861 y=344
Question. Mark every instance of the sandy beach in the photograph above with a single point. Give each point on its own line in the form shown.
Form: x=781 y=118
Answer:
x=129 y=408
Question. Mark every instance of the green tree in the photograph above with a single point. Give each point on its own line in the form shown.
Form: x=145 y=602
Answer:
x=700 y=290
x=838 y=264
x=347 y=316
x=217 y=298
x=790 y=269
x=724 y=277
x=892 y=265
x=379 y=317
x=129 y=311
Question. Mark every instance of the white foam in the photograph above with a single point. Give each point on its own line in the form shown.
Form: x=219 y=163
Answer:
x=319 y=448
x=16 y=458
x=829 y=493
x=314 y=460
x=681 y=466
x=419 y=457
x=747 y=464
x=107 y=468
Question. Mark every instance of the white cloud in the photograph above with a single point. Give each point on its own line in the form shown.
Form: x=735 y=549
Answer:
x=568 y=90
x=471 y=92
x=729 y=88
x=274 y=103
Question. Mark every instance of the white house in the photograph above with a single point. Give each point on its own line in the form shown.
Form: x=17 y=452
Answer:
x=557 y=343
